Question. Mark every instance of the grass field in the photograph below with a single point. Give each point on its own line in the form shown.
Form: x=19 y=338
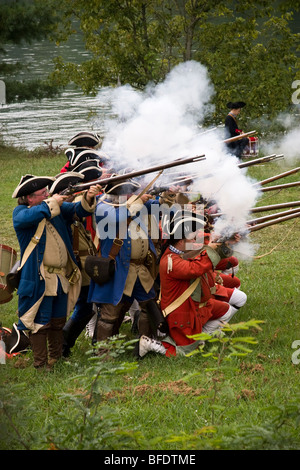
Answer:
x=208 y=401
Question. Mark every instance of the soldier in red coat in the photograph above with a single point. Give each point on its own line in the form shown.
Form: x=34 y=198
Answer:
x=199 y=311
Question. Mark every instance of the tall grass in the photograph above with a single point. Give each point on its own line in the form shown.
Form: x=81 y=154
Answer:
x=250 y=402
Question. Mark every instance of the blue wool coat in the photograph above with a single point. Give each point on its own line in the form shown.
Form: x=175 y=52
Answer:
x=113 y=217
x=25 y=222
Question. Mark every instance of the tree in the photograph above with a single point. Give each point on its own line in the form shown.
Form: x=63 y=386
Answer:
x=247 y=47
x=23 y=22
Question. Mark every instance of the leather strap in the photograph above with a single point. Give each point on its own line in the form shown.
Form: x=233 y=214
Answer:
x=33 y=242
x=182 y=298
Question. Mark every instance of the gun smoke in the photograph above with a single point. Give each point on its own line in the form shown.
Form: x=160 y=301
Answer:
x=164 y=123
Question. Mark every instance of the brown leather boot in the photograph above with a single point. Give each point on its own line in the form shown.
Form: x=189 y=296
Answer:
x=55 y=339
x=105 y=329
x=38 y=343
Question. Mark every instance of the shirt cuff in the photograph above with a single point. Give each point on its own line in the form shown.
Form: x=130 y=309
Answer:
x=53 y=206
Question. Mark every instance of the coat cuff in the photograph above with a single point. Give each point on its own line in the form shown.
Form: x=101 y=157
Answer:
x=86 y=205
x=213 y=255
x=53 y=206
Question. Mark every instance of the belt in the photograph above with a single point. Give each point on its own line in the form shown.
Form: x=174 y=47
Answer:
x=53 y=269
x=138 y=261
x=90 y=251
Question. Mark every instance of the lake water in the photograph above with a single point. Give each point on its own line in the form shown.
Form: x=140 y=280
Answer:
x=31 y=124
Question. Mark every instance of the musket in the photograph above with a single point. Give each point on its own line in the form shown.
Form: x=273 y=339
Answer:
x=276 y=177
x=116 y=179
x=275 y=206
x=265 y=159
x=158 y=190
x=272 y=216
x=264 y=208
x=256 y=161
x=273 y=222
x=254 y=228
x=238 y=137
x=280 y=186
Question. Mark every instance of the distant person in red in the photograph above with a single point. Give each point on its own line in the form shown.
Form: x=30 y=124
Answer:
x=232 y=129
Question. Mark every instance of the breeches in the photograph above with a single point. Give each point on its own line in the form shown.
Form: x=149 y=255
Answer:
x=52 y=307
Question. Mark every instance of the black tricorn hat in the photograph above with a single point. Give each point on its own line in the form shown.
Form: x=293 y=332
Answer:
x=88 y=154
x=182 y=223
x=63 y=180
x=71 y=152
x=30 y=183
x=90 y=170
x=85 y=139
x=122 y=187
x=235 y=104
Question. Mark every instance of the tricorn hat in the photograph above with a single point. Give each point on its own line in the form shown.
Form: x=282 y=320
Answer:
x=85 y=139
x=90 y=170
x=235 y=104
x=122 y=187
x=182 y=224
x=71 y=152
x=84 y=155
x=63 y=180
x=30 y=183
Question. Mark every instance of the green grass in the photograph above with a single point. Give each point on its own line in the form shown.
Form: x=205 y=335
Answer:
x=165 y=404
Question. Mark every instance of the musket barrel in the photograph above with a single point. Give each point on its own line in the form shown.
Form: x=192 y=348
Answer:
x=275 y=206
x=264 y=208
x=273 y=222
x=118 y=178
x=238 y=137
x=280 y=186
x=276 y=177
x=272 y=216
x=266 y=159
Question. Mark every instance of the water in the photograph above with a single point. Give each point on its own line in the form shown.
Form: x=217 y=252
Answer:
x=33 y=124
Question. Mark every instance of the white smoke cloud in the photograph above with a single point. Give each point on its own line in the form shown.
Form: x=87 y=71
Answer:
x=288 y=146
x=153 y=126
x=288 y=143
x=163 y=124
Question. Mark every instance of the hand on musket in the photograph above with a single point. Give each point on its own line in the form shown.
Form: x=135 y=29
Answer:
x=92 y=193
x=146 y=197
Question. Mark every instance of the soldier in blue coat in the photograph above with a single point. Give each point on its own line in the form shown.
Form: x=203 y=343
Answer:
x=50 y=278
x=123 y=231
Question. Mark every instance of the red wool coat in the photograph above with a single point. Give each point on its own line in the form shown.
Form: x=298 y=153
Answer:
x=188 y=318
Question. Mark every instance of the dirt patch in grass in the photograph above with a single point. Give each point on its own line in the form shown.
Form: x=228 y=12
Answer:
x=178 y=387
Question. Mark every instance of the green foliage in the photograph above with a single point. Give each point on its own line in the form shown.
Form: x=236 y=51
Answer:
x=248 y=47
x=94 y=424
x=17 y=91
x=23 y=22
x=91 y=423
x=240 y=392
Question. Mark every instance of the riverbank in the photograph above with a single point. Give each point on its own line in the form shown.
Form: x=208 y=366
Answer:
x=250 y=401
